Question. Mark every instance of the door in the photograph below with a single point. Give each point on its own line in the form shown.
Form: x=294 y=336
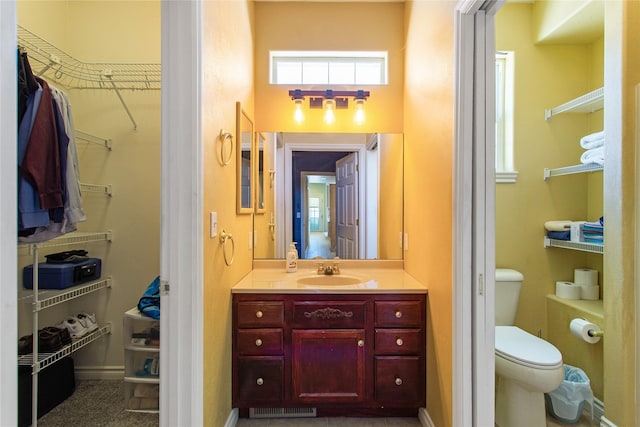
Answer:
x=347 y=207
x=316 y=352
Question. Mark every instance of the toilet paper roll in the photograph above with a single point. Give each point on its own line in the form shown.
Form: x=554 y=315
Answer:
x=589 y=292
x=567 y=290
x=585 y=276
x=580 y=328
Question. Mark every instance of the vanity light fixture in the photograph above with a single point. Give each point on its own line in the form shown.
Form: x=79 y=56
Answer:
x=330 y=100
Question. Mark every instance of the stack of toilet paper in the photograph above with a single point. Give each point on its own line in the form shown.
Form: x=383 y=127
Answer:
x=584 y=285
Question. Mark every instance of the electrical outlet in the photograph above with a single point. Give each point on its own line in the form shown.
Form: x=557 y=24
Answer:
x=213 y=224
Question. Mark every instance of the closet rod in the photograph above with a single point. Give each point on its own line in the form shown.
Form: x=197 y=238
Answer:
x=87 y=137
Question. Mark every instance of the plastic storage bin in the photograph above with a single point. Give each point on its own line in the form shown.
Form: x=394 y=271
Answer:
x=566 y=403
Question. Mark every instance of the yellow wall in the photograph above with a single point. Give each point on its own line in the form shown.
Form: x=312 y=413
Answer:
x=329 y=26
x=545 y=76
x=621 y=209
x=389 y=197
x=428 y=130
x=228 y=77
x=125 y=32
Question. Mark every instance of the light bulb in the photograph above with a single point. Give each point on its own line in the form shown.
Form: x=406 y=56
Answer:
x=329 y=113
x=359 y=116
x=298 y=115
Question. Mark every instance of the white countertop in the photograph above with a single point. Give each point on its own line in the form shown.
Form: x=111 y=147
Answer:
x=373 y=279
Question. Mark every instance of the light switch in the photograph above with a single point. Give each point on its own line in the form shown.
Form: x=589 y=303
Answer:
x=213 y=224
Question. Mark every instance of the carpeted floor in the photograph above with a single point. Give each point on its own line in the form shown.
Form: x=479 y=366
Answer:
x=96 y=403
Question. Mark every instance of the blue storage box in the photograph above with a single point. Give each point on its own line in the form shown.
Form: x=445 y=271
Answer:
x=62 y=275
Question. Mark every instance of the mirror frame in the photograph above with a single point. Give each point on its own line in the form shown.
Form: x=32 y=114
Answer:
x=241 y=127
x=259 y=156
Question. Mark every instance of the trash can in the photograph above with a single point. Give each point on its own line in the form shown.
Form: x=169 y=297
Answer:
x=566 y=403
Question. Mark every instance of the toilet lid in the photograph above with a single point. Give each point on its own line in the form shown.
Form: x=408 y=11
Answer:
x=521 y=347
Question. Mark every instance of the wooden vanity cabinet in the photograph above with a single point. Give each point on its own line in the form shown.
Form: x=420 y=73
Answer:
x=340 y=353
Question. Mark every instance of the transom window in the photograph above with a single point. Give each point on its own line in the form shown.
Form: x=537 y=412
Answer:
x=328 y=68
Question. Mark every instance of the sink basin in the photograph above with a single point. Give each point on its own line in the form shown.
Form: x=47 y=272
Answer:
x=322 y=280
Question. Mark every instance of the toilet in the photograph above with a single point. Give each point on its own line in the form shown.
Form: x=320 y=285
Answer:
x=526 y=366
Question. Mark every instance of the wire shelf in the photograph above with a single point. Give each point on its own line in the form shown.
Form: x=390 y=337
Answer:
x=50 y=297
x=588 y=103
x=569 y=170
x=74 y=238
x=577 y=246
x=71 y=73
x=46 y=359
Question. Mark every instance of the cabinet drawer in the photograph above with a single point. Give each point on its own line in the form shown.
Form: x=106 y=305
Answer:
x=260 y=314
x=397 y=341
x=259 y=342
x=260 y=379
x=329 y=314
x=398 y=313
x=399 y=379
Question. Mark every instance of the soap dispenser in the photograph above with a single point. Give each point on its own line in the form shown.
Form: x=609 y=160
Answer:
x=292 y=258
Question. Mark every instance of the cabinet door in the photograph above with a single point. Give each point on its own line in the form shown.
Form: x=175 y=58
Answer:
x=328 y=365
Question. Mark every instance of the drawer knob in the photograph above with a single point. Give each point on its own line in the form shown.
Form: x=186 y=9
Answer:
x=398 y=381
x=258 y=342
x=260 y=381
x=259 y=314
x=399 y=342
x=360 y=343
x=398 y=314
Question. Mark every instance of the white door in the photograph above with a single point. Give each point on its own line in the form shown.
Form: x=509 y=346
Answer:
x=347 y=207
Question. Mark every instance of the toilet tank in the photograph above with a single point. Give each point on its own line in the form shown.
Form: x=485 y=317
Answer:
x=508 y=283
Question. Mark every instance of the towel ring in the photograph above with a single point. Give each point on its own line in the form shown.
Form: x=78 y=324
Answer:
x=224 y=238
x=223 y=137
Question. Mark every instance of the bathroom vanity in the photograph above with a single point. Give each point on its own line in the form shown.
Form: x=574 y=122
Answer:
x=341 y=349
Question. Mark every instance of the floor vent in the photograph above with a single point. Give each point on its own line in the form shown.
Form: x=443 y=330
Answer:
x=281 y=412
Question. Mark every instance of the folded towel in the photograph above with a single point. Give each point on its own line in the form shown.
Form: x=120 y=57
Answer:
x=595 y=155
x=594 y=240
x=559 y=225
x=593 y=140
x=559 y=235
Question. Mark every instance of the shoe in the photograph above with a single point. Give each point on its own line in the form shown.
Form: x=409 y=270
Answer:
x=49 y=341
x=25 y=344
x=88 y=320
x=65 y=337
x=76 y=329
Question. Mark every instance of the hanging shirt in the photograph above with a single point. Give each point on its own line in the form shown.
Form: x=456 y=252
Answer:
x=41 y=162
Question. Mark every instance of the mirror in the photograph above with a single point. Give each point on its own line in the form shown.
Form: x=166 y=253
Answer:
x=315 y=195
x=244 y=145
x=259 y=179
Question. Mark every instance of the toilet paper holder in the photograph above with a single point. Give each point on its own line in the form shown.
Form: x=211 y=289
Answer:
x=595 y=332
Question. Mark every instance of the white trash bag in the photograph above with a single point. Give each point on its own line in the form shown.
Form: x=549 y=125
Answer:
x=566 y=403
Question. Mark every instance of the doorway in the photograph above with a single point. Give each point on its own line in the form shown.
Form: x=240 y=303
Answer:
x=318 y=215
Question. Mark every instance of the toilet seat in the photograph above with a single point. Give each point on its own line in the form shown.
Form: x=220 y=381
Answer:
x=518 y=346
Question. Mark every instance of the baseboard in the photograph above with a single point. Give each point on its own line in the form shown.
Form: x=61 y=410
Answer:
x=99 y=372
x=232 y=419
x=604 y=422
x=598 y=411
x=425 y=419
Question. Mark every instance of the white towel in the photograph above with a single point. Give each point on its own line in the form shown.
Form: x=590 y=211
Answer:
x=595 y=155
x=558 y=225
x=593 y=140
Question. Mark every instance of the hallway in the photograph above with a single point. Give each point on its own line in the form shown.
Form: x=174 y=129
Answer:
x=319 y=246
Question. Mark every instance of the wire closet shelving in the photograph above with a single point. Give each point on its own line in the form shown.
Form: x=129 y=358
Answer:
x=63 y=69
